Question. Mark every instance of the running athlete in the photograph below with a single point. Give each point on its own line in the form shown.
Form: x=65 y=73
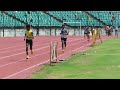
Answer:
x=86 y=33
x=111 y=28
x=91 y=30
x=63 y=34
x=106 y=30
x=98 y=33
x=94 y=36
x=109 y=31
x=29 y=39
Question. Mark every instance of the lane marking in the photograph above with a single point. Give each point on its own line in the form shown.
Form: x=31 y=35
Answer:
x=40 y=63
x=34 y=66
x=33 y=56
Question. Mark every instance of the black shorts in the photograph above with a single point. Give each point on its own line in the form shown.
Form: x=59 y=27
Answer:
x=29 y=42
x=63 y=39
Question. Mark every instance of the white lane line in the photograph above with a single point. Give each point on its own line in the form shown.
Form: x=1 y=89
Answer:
x=24 y=44
x=33 y=50
x=36 y=65
x=13 y=43
x=41 y=63
x=24 y=47
x=21 y=45
x=23 y=52
x=29 y=51
x=25 y=69
x=33 y=56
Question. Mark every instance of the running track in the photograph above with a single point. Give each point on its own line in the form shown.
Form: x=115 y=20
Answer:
x=13 y=63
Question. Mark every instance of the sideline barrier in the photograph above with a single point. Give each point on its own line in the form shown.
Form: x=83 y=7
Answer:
x=53 y=52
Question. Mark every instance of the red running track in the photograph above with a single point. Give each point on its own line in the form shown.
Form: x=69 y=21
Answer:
x=13 y=63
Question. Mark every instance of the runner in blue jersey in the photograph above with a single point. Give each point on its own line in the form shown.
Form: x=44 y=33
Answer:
x=63 y=34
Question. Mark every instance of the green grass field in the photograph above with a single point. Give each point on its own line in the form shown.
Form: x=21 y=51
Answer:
x=100 y=62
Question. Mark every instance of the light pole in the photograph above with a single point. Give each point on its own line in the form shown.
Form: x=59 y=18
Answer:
x=14 y=24
x=37 y=13
x=79 y=19
x=38 y=24
x=80 y=22
x=87 y=20
x=14 y=28
x=30 y=18
x=26 y=17
x=50 y=25
x=3 y=25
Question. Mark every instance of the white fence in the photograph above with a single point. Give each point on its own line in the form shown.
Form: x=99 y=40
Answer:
x=21 y=32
